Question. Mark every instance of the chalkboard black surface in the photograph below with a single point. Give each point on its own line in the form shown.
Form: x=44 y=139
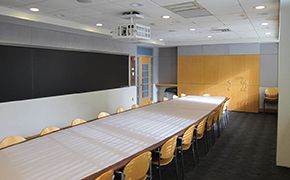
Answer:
x=28 y=73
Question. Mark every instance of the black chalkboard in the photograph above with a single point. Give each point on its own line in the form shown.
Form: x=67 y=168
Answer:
x=27 y=73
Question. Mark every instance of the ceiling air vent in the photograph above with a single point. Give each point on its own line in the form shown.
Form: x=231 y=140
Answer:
x=188 y=9
x=220 y=29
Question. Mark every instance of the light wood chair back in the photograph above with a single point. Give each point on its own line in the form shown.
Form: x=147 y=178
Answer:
x=138 y=167
x=106 y=176
x=48 y=130
x=210 y=121
x=182 y=94
x=120 y=109
x=165 y=98
x=134 y=106
x=201 y=128
x=77 y=122
x=187 y=136
x=11 y=140
x=103 y=114
x=271 y=92
x=206 y=94
x=168 y=148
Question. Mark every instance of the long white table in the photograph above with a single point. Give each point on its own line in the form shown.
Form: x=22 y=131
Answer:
x=80 y=151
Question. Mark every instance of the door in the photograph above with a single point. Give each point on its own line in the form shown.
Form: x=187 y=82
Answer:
x=145 y=80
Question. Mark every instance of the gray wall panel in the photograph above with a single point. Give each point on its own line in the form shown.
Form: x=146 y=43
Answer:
x=219 y=49
x=244 y=48
x=168 y=65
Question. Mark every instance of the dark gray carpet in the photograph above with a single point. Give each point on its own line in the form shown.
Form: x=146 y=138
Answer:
x=246 y=150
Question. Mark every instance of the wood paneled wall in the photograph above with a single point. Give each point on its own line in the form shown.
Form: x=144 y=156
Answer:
x=234 y=76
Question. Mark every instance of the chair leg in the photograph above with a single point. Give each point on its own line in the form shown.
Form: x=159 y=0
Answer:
x=193 y=154
x=159 y=173
x=196 y=150
x=176 y=165
x=182 y=163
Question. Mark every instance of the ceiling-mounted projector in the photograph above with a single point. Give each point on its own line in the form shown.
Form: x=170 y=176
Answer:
x=132 y=30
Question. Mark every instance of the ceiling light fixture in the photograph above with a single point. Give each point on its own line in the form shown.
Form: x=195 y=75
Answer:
x=136 y=4
x=161 y=39
x=99 y=25
x=34 y=9
x=192 y=29
x=209 y=36
x=265 y=24
x=267 y=33
x=260 y=7
x=165 y=17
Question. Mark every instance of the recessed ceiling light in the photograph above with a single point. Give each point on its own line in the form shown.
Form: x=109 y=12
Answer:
x=265 y=24
x=209 y=36
x=268 y=33
x=165 y=17
x=136 y=4
x=34 y=9
x=84 y=1
x=161 y=39
x=99 y=24
x=260 y=7
x=192 y=29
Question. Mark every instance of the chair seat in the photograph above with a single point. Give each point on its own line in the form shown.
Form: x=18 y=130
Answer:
x=271 y=99
x=163 y=162
x=185 y=146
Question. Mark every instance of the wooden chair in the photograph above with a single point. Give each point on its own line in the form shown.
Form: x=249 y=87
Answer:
x=185 y=143
x=48 y=130
x=206 y=94
x=120 y=109
x=106 y=176
x=210 y=136
x=103 y=114
x=11 y=140
x=139 y=168
x=77 y=122
x=164 y=155
x=182 y=95
x=199 y=132
x=165 y=98
x=270 y=96
x=134 y=106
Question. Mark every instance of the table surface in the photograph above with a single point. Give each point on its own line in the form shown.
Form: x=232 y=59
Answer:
x=80 y=151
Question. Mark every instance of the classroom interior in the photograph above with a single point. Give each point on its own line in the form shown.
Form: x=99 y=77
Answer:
x=202 y=94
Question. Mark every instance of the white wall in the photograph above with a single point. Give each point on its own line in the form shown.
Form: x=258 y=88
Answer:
x=30 y=116
x=283 y=141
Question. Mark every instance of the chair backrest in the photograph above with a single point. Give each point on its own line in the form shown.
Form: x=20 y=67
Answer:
x=210 y=120
x=217 y=114
x=138 y=167
x=201 y=127
x=134 y=106
x=10 y=140
x=120 y=109
x=165 y=98
x=188 y=135
x=174 y=97
x=182 y=95
x=48 y=130
x=271 y=92
x=77 y=121
x=103 y=114
x=206 y=94
x=168 y=148
x=106 y=176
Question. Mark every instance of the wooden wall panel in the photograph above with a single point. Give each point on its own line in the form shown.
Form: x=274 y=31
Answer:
x=234 y=76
